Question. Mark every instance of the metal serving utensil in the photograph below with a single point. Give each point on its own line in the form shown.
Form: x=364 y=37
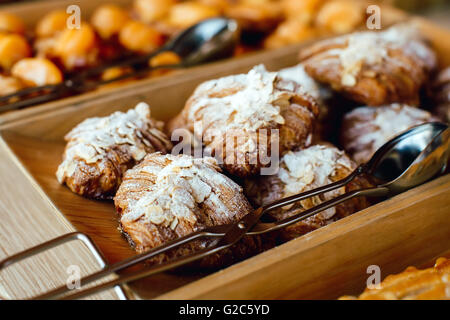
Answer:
x=208 y=40
x=404 y=162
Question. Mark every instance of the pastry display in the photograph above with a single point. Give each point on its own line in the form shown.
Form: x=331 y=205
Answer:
x=365 y=129
x=302 y=171
x=100 y=150
x=412 y=284
x=169 y=196
x=112 y=31
x=373 y=68
x=239 y=113
x=441 y=95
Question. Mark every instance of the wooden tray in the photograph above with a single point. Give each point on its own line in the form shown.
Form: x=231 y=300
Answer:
x=406 y=230
x=31 y=12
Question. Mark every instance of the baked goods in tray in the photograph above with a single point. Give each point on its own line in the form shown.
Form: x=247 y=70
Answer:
x=169 y=196
x=366 y=129
x=441 y=95
x=412 y=284
x=100 y=150
x=305 y=170
x=243 y=117
x=373 y=68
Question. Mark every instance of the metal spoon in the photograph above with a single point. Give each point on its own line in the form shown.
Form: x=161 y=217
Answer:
x=206 y=41
x=406 y=161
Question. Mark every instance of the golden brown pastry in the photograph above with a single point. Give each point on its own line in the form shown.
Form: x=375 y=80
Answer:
x=340 y=16
x=412 y=284
x=109 y=19
x=288 y=32
x=169 y=196
x=37 y=72
x=366 y=129
x=9 y=85
x=441 y=95
x=234 y=116
x=256 y=16
x=76 y=48
x=100 y=150
x=10 y=23
x=305 y=170
x=13 y=47
x=373 y=68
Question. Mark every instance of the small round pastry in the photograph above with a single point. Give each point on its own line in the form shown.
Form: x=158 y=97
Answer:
x=37 y=72
x=305 y=170
x=303 y=11
x=364 y=130
x=139 y=37
x=13 y=47
x=289 y=32
x=52 y=23
x=373 y=68
x=166 y=197
x=100 y=150
x=441 y=95
x=186 y=14
x=109 y=19
x=77 y=48
x=10 y=23
x=256 y=17
x=149 y=11
x=340 y=16
x=9 y=85
x=241 y=119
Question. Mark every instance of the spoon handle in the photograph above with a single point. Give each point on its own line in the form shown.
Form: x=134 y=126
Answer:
x=261 y=228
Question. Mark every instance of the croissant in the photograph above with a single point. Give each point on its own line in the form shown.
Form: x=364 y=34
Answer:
x=169 y=196
x=441 y=95
x=100 y=150
x=241 y=116
x=366 y=129
x=412 y=284
x=305 y=170
x=373 y=68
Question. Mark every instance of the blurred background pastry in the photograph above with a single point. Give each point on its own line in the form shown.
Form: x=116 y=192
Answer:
x=412 y=284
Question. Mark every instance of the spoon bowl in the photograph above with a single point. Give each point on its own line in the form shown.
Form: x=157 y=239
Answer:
x=411 y=158
x=208 y=40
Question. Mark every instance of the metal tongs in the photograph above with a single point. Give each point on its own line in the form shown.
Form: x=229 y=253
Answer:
x=404 y=162
x=206 y=41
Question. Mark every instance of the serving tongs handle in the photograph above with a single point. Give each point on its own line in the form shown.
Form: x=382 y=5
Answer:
x=224 y=236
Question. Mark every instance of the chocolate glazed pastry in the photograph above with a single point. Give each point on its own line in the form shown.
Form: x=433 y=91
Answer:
x=373 y=68
x=166 y=197
x=100 y=150
x=237 y=114
x=305 y=170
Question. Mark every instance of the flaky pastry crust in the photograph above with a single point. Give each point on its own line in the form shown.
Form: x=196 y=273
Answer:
x=238 y=118
x=366 y=129
x=412 y=284
x=100 y=150
x=305 y=170
x=166 y=197
x=373 y=68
